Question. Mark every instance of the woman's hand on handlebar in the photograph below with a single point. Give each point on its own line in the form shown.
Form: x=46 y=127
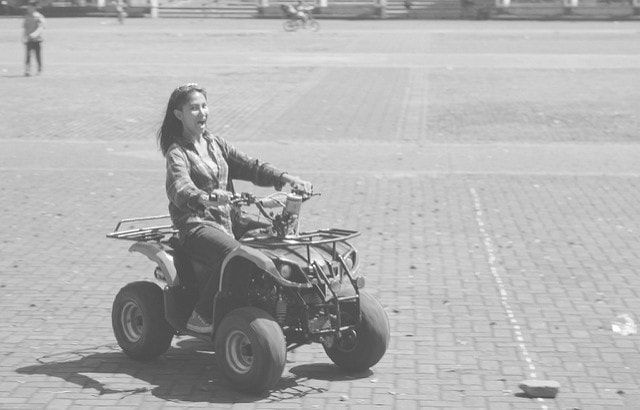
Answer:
x=221 y=196
x=297 y=183
x=215 y=199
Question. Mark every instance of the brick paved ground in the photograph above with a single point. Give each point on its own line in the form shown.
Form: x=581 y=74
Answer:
x=491 y=166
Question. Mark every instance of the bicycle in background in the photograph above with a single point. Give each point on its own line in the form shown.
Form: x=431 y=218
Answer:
x=299 y=17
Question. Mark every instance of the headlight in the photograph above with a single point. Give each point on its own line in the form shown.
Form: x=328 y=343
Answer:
x=291 y=272
x=286 y=271
x=350 y=260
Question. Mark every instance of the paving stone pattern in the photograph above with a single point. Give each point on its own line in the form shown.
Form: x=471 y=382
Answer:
x=490 y=166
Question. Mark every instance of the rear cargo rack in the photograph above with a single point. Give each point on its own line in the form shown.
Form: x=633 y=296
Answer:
x=159 y=232
x=144 y=233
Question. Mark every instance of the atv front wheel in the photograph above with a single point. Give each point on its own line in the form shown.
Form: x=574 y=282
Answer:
x=251 y=349
x=138 y=321
x=313 y=25
x=365 y=347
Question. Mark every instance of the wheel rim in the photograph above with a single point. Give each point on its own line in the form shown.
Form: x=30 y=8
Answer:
x=239 y=352
x=348 y=341
x=132 y=321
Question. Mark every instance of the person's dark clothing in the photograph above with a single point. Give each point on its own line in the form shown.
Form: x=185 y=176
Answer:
x=35 y=47
x=210 y=246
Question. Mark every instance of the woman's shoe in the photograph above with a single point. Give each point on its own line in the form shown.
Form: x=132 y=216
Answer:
x=198 y=324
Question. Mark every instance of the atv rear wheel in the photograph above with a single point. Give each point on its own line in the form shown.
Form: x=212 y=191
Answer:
x=290 y=25
x=251 y=349
x=364 y=348
x=138 y=321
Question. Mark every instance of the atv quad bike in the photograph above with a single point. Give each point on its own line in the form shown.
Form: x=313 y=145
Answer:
x=277 y=291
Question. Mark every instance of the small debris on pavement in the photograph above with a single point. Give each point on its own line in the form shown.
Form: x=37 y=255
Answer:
x=544 y=389
x=624 y=324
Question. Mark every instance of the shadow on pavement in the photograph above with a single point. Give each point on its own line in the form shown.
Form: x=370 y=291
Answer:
x=187 y=372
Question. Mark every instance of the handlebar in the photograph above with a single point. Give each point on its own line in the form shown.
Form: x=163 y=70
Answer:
x=269 y=201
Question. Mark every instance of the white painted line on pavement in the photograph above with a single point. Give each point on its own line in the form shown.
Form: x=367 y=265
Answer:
x=504 y=296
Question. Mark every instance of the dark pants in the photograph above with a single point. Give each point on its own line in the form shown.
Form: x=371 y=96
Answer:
x=35 y=47
x=210 y=246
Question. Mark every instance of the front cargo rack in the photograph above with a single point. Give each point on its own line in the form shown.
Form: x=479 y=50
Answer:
x=145 y=233
x=317 y=237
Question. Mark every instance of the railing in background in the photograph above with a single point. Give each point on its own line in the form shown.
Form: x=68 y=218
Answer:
x=413 y=9
x=563 y=9
x=365 y=9
x=208 y=12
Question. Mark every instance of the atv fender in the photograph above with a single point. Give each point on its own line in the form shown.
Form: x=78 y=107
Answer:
x=261 y=261
x=156 y=253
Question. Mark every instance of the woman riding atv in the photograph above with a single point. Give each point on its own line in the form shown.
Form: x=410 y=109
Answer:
x=200 y=168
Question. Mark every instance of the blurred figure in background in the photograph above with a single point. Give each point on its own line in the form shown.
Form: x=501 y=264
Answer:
x=297 y=12
x=121 y=10
x=33 y=26
x=302 y=12
x=407 y=5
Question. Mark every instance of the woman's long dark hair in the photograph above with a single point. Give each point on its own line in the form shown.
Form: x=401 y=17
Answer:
x=171 y=127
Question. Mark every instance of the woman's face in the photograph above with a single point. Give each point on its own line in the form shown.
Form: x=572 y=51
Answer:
x=194 y=115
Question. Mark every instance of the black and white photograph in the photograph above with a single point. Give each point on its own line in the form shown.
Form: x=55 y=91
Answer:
x=320 y=204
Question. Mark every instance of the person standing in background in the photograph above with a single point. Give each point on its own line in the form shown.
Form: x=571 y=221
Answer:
x=33 y=26
x=121 y=10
